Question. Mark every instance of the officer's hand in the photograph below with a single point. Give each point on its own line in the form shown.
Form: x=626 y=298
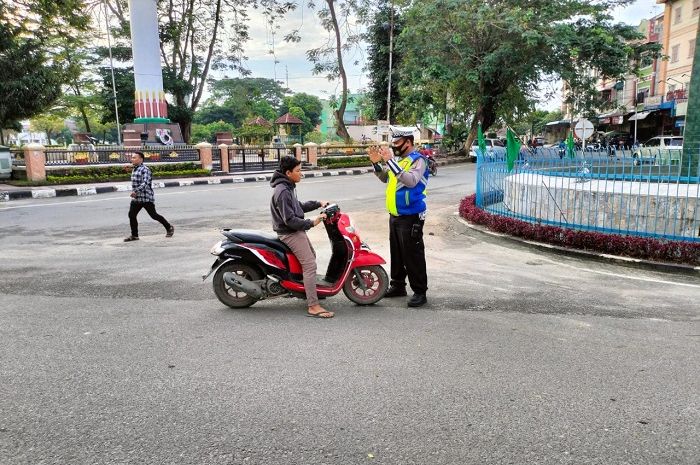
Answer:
x=319 y=218
x=387 y=154
x=324 y=203
x=375 y=153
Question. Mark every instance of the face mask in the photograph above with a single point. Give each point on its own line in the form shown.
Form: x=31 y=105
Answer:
x=398 y=151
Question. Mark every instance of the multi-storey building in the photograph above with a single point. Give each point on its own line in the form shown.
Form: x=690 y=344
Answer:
x=680 y=30
x=655 y=102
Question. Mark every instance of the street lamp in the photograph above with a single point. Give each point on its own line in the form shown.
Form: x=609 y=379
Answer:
x=676 y=80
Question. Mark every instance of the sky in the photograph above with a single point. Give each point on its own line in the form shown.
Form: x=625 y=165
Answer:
x=295 y=69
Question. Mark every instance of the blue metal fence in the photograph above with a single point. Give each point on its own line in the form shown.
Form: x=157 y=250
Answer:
x=636 y=192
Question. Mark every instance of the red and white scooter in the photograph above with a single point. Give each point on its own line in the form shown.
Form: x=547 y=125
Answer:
x=255 y=265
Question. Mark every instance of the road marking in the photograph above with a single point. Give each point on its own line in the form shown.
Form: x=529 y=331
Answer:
x=636 y=278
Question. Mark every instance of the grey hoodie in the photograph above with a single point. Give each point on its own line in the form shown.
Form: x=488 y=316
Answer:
x=287 y=211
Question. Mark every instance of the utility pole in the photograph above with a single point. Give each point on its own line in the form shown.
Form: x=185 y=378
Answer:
x=391 y=53
x=286 y=73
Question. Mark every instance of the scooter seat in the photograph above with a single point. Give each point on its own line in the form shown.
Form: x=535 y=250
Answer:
x=259 y=237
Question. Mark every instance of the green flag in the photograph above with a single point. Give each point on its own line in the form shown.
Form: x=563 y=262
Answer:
x=570 y=147
x=512 y=149
x=481 y=141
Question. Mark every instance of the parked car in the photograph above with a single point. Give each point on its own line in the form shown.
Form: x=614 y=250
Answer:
x=491 y=144
x=660 y=150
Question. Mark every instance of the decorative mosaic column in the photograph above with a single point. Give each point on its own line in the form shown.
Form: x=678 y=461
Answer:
x=149 y=100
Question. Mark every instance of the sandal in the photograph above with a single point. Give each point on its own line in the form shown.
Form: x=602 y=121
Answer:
x=323 y=314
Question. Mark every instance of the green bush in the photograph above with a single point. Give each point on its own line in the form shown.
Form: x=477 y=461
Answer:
x=344 y=162
x=81 y=179
x=119 y=173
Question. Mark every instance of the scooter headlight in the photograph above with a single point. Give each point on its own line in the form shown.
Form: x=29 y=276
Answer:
x=217 y=249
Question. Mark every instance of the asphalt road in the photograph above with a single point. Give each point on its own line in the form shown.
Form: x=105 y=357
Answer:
x=116 y=353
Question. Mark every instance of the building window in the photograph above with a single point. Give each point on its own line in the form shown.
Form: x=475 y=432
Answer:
x=691 y=48
x=677 y=15
x=674 y=53
x=696 y=7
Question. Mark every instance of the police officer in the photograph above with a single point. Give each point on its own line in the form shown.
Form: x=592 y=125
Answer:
x=405 y=172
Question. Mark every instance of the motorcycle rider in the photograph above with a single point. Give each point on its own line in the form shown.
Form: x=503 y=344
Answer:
x=290 y=225
x=406 y=175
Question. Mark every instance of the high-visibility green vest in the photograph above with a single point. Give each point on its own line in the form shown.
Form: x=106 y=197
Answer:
x=402 y=200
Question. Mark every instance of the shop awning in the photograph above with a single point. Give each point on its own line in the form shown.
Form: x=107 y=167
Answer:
x=556 y=123
x=640 y=115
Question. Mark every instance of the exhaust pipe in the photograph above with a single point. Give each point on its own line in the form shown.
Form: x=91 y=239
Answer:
x=241 y=284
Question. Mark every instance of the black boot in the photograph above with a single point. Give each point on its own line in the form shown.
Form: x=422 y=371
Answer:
x=418 y=300
x=395 y=291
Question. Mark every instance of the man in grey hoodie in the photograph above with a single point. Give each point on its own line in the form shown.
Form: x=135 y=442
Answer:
x=290 y=225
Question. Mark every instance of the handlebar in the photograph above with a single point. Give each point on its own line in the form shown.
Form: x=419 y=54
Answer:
x=330 y=209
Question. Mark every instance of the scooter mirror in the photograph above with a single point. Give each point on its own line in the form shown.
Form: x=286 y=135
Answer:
x=331 y=209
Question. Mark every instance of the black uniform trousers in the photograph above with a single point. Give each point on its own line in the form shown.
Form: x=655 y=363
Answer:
x=407 y=252
x=150 y=208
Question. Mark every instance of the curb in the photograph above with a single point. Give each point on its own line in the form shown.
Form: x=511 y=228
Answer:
x=618 y=259
x=45 y=193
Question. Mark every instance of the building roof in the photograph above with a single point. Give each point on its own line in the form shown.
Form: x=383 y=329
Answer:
x=288 y=119
x=259 y=121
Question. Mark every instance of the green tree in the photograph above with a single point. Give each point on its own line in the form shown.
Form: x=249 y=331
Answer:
x=34 y=37
x=48 y=123
x=249 y=134
x=486 y=59
x=124 y=85
x=207 y=132
x=226 y=91
x=533 y=122
x=311 y=107
x=196 y=38
x=338 y=17
x=265 y=110
x=385 y=21
x=212 y=112
x=237 y=100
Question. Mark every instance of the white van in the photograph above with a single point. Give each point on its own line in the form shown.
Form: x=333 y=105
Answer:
x=491 y=145
x=660 y=150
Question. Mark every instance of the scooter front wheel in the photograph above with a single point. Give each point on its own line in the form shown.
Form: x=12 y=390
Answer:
x=229 y=296
x=374 y=284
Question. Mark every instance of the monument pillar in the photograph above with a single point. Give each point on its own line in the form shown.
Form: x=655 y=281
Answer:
x=149 y=100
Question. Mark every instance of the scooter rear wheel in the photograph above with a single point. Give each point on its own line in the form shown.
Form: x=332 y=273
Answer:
x=224 y=292
x=376 y=282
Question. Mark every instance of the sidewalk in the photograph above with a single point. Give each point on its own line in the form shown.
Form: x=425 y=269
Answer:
x=8 y=192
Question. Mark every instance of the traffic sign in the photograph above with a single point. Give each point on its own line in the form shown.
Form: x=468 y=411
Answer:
x=583 y=129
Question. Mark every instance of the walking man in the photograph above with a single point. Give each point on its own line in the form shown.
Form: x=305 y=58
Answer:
x=142 y=197
x=406 y=177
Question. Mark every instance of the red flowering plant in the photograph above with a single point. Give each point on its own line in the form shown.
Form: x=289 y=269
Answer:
x=646 y=248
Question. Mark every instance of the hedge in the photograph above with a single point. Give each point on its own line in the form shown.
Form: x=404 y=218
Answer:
x=646 y=248
x=110 y=173
x=344 y=162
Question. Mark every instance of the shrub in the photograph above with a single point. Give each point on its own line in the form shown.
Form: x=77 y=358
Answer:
x=630 y=246
x=119 y=173
x=344 y=162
